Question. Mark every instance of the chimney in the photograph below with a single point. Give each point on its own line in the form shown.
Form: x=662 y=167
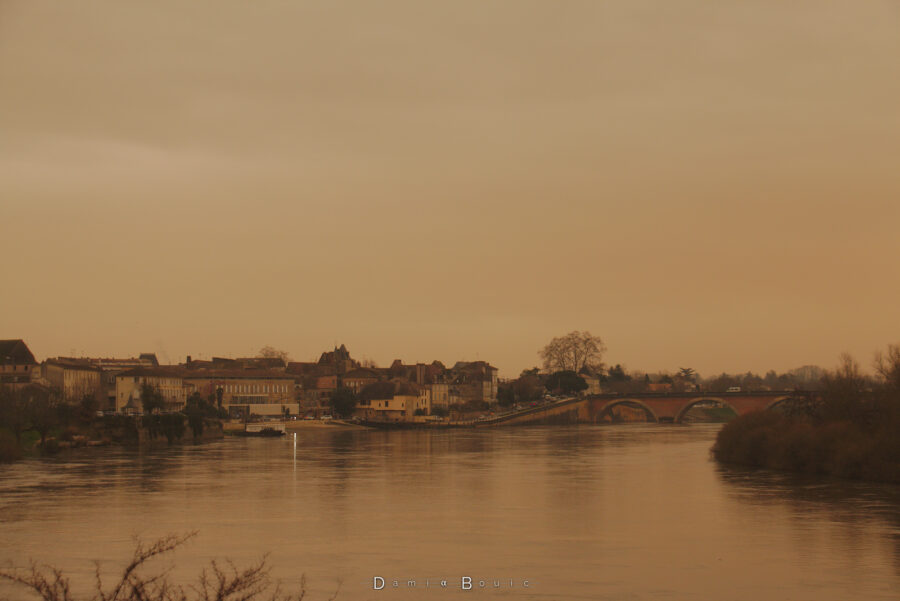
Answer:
x=188 y=362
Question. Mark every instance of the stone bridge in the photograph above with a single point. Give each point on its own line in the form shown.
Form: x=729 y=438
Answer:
x=659 y=407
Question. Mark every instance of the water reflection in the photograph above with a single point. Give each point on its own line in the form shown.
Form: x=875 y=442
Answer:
x=589 y=512
x=856 y=508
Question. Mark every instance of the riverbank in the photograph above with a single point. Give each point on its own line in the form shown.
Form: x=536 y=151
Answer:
x=112 y=430
x=299 y=425
x=850 y=429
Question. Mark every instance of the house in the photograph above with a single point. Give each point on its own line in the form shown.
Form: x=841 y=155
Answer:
x=339 y=359
x=360 y=377
x=111 y=367
x=438 y=395
x=18 y=367
x=168 y=380
x=74 y=378
x=246 y=392
x=394 y=400
x=474 y=381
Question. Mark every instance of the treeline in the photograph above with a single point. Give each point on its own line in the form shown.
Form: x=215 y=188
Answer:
x=532 y=384
x=618 y=379
x=850 y=428
x=31 y=414
x=37 y=419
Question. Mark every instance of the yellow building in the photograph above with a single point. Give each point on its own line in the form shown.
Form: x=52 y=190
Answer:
x=400 y=407
x=74 y=378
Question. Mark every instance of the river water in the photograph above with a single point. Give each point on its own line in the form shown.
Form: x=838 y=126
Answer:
x=581 y=512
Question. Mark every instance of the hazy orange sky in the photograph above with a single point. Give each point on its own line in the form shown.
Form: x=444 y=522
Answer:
x=703 y=184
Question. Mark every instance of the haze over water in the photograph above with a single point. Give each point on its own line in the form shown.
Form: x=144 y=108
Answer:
x=586 y=512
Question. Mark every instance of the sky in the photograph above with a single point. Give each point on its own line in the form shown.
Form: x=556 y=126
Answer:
x=713 y=185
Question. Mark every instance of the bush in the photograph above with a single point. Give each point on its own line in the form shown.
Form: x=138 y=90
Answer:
x=848 y=430
x=220 y=582
x=840 y=448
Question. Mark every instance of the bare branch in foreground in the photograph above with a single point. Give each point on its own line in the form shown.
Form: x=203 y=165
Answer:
x=220 y=581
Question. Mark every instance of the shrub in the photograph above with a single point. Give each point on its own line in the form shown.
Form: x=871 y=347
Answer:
x=222 y=582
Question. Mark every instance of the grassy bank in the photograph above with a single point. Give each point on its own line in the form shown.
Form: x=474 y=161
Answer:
x=851 y=430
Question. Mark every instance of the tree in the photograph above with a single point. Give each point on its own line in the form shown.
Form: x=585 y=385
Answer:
x=196 y=408
x=576 y=351
x=152 y=399
x=343 y=401
x=87 y=408
x=269 y=352
x=43 y=412
x=14 y=411
x=617 y=374
x=843 y=392
x=505 y=395
x=887 y=365
x=566 y=381
x=528 y=387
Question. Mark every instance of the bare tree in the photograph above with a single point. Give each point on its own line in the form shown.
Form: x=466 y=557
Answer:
x=888 y=365
x=270 y=352
x=216 y=583
x=573 y=352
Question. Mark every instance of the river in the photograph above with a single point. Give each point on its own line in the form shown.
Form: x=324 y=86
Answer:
x=582 y=512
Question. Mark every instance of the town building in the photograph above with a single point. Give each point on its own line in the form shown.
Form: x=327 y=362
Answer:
x=168 y=380
x=474 y=381
x=74 y=378
x=111 y=367
x=241 y=392
x=358 y=378
x=18 y=367
x=438 y=395
x=394 y=400
x=246 y=392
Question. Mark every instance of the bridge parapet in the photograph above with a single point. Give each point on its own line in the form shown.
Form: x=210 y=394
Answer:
x=661 y=407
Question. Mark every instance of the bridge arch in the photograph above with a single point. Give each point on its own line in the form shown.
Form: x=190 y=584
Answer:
x=679 y=417
x=626 y=401
x=781 y=401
